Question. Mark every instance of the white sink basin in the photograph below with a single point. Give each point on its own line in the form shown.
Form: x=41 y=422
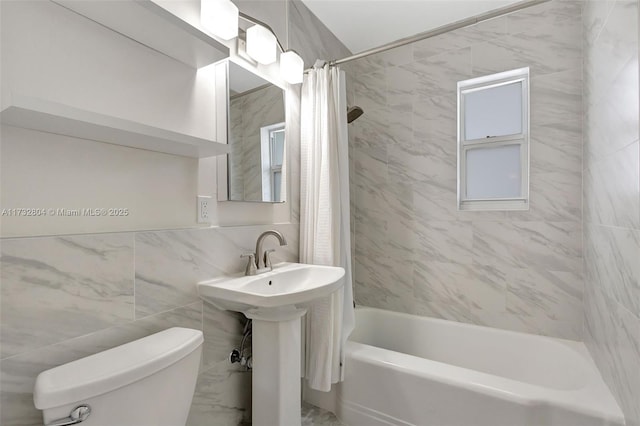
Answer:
x=275 y=301
x=288 y=285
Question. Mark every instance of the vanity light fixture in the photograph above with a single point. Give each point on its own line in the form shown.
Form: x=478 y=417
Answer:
x=220 y=17
x=291 y=67
x=261 y=44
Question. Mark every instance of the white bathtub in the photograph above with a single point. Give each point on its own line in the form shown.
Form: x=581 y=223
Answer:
x=409 y=370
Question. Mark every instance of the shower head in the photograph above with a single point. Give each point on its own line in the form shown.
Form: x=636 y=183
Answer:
x=353 y=113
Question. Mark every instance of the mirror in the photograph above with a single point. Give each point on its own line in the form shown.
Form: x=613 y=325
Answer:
x=256 y=164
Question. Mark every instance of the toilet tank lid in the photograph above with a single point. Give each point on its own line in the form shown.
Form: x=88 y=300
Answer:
x=113 y=368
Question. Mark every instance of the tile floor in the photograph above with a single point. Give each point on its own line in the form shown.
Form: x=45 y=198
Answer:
x=314 y=416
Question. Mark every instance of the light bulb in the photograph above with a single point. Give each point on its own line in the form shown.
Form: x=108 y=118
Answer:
x=291 y=67
x=220 y=17
x=261 y=44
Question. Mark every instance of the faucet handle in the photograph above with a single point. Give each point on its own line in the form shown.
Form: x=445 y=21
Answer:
x=267 y=258
x=251 y=266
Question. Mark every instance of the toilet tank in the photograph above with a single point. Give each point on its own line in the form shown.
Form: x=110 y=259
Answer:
x=147 y=382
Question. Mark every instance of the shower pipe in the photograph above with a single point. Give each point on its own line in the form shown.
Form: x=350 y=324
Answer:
x=440 y=30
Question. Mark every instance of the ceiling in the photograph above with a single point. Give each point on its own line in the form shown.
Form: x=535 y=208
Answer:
x=364 y=24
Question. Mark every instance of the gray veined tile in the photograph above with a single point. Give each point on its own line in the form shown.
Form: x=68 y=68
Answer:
x=168 y=266
x=368 y=197
x=554 y=196
x=557 y=147
x=555 y=295
x=545 y=53
x=561 y=329
x=222 y=333
x=444 y=241
x=554 y=246
x=611 y=188
x=370 y=232
x=594 y=15
x=400 y=123
x=458 y=287
x=407 y=164
x=557 y=97
x=400 y=211
x=616 y=44
x=438 y=75
x=378 y=62
x=435 y=124
x=459 y=39
x=611 y=263
x=613 y=338
x=57 y=288
x=612 y=113
x=544 y=17
x=370 y=167
x=371 y=90
x=503 y=320
x=371 y=131
x=374 y=287
x=628 y=341
x=400 y=84
x=222 y=396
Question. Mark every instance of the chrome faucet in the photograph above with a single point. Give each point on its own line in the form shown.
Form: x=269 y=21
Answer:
x=254 y=266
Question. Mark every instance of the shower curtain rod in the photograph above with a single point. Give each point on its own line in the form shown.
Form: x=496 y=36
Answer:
x=440 y=30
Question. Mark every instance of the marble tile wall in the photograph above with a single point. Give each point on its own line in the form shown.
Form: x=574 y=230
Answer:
x=612 y=197
x=310 y=37
x=414 y=252
x=66 y=297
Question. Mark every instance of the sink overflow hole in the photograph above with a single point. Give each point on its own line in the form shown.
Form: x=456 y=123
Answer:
x=269 y=282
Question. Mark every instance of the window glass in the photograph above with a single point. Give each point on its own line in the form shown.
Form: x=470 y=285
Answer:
x=495 y=111
x=493 y=172
x=277 y=182
x=277 y=147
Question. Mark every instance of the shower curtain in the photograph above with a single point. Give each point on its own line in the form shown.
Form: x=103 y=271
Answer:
x=325 y=220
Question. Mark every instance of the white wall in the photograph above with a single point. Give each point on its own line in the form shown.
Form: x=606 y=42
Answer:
x=52 y=53
x=43 y=170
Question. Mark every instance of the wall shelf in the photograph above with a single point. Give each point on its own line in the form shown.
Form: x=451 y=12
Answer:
x=52 y=117
x=170 y=27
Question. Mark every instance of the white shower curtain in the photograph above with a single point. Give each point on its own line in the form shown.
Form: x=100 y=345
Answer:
x=324 y=220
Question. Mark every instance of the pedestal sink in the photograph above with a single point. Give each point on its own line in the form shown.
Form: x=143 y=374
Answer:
x=275 y=301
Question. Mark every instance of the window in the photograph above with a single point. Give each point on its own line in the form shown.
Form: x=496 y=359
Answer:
x=493 y=142
x=272 y=143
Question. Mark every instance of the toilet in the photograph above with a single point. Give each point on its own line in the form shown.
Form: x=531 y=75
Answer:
x=147 y=382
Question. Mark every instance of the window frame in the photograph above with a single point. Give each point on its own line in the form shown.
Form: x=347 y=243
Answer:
x=266 y=152
x=520 y=75
x=275 y=169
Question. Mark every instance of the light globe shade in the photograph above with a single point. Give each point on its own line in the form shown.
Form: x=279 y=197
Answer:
x=220 y=17
x=291 y=67
x=261 y=44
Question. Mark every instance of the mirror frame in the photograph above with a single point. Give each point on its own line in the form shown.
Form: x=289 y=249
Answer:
x=223 y=125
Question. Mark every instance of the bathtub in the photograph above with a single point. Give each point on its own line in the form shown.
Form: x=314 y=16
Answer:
x=409 y=370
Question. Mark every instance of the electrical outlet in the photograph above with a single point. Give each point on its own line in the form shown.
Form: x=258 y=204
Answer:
x=204 y=204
